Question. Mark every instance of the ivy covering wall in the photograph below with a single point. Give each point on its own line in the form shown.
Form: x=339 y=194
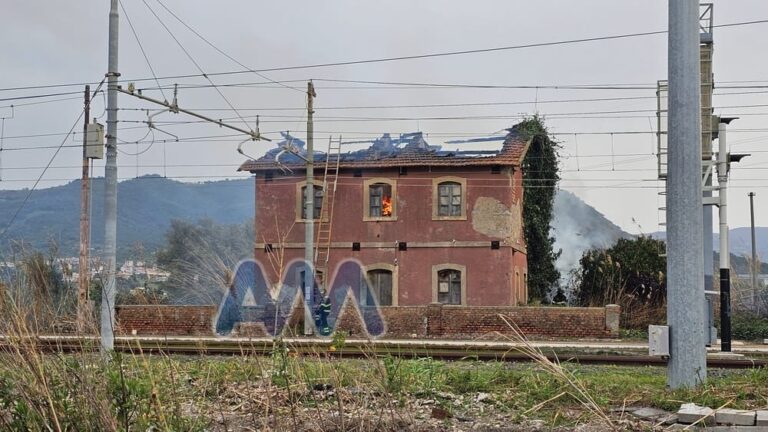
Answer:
x=540 y=179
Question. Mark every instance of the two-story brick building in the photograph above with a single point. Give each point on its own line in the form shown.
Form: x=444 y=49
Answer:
x=427 y=225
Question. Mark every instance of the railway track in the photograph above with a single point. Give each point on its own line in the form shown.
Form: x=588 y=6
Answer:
x=446 y=350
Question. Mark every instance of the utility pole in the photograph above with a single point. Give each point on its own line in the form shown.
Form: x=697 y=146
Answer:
x=83 y=279
x=687 y=365
x=309 y=212
x=755 y=262
x=725 y=253
x=110 y=189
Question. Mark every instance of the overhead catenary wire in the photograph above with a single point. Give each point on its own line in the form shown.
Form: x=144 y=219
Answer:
x=189 y=56
x=364 y=135
x=444 y=86
x=141 y=48
x=397 y=58
x=222 y=52
x=621 y=184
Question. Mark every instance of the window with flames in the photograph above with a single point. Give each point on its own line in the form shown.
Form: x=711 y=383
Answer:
x=380 y=195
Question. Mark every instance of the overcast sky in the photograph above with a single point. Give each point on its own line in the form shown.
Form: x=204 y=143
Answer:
x=46 y=42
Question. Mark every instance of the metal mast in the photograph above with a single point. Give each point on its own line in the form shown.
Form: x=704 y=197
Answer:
x=685 y=308
x=706 y=40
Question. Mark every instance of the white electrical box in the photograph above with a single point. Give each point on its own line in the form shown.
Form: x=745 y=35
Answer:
x=658 y=340
x=94 y=141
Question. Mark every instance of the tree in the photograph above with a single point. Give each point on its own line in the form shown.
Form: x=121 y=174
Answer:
x=201 y=257
x=632 y=273
x=540 y=178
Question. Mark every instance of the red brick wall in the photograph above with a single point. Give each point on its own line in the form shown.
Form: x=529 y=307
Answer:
x=493 y=277
x=434 y=321
x=437 y=321
x=165 y=320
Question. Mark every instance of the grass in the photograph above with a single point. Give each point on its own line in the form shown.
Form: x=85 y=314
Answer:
x=200 y=393
x=139 y=391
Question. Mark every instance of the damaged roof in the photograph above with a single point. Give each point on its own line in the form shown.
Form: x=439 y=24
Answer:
x=402 y=151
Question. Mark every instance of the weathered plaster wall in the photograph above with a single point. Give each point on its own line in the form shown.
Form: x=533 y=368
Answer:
x=493 y=213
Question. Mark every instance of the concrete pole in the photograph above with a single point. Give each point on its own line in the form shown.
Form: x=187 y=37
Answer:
x=83 y=273
x=309 y=210
x=110 y=190
x=687 y=365
x=755 y=262
x=725 y=253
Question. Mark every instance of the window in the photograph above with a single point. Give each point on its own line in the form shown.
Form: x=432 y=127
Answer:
x=449 y=195
x=449 y=198
x=379 y=200
x=381 y=280
x=380 y=283
x=318 y=202
x=449 y=284
x=301 y=277
x=449 y=287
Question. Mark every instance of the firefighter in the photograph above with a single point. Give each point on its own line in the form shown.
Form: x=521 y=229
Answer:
x=324 y=310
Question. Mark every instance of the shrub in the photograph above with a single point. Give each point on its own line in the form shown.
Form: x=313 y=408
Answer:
x=749 y=327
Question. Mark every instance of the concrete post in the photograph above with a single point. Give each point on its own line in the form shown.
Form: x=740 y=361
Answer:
x=725 y=253
x=110 y=190
x=612 y=319
x=85 y=230
x=755 y=261
x=685 y=262
x=309 y=222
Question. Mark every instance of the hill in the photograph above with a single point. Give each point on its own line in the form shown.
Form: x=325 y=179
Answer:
x=146 y=207
x=148 y=204
x=579 y=227
x=740 y=240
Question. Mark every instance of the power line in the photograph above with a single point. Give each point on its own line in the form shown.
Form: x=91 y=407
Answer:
x=222 y=52
x=458 y=104
x=397 y=58
x=202 y=73
x=360 y=135
x=40 y=177
x=491 y=86
x=39 y=96
x=141 y=47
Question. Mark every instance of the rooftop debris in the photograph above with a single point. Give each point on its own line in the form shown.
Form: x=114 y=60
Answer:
x=410 y=149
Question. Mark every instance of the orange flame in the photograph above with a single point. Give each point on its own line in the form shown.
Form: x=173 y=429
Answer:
x=386 y=206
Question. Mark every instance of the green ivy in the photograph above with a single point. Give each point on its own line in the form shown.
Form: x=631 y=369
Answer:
x=541 y=174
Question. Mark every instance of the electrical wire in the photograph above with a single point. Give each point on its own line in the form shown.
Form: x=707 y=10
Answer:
x=40 y=177
x=368 y=135
x=203 y=74
x=141 y=47
x=398 y=58
x=209 y=43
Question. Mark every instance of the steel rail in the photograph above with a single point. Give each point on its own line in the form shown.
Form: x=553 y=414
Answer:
x=323 y=348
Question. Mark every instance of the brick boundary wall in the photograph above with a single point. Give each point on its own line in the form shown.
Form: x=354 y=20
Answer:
x=457 y=322
x=165 y=320
x=432 y=321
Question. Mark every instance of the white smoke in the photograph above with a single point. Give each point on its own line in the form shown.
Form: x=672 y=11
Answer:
x=578 y=227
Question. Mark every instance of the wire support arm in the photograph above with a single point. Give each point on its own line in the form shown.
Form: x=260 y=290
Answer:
x=174 y=108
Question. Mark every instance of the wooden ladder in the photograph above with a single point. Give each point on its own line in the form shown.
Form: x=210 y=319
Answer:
x=325 y=224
